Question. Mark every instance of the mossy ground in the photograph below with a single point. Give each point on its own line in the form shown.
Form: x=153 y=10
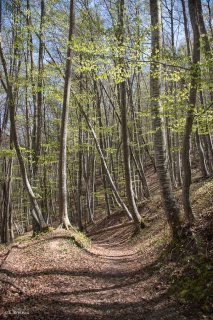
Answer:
x=194 y=283
x=186 y=266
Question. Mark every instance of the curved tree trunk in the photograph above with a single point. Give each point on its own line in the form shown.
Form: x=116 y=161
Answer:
x=36 y=210
x=110 y=180
x=12 y=111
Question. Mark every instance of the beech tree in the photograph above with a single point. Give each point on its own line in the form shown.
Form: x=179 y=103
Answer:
x=11 y=91
x=195 y=76
x=87 y=119
x=124 y=127
x=161 y=156
x=64 y=123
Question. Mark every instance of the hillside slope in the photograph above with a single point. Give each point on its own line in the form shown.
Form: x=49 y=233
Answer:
x=119 y=275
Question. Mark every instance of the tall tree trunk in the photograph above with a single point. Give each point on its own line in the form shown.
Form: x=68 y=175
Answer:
x=36 y=210
x=101 y=139
x=195 y=75
x=111 y=182
x=37 y=130
x=206 y=42
x=80 y=173
x=63 y=210
x=137 y=157
x=199 y=144
x=161 y=156
x=124 y=128
x=40 y=83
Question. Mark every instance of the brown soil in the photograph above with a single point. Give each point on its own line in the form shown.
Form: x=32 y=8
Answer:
x=110 y=280
x=120 y=276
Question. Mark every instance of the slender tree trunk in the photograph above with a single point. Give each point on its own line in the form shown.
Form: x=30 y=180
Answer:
x=195 y=75
x=136 y=155
x=203 y=166
x=80 y=167
x=37 y=130
x=124 y=128
x=205 y=39
x=178 y=161
x=11 y=94
x=101 y=139
x=210 y=16
x=112 y=184
x=186 y=27
x=36 y=210
x=40 y=83
x=63 y=210
x=209 y=146
x=80 y=173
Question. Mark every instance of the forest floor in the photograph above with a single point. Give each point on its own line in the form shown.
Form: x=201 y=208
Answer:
x=116 y=275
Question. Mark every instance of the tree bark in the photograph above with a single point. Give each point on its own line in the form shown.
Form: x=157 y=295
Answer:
x=112 y=184
x=101 y=139
x=63 y=205
x=202 y=159
x=124 y=128
x=6 y=208
x=195 y=75
x=161 y=156
x=11 y=94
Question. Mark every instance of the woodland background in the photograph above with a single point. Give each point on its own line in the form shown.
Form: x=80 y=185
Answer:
x=93 y=95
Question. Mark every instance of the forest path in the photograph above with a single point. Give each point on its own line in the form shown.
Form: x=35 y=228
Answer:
x=132 y=287
x=110 y=280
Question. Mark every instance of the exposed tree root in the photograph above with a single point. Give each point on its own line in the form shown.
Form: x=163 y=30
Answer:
x=68 y=227
x=10 y=282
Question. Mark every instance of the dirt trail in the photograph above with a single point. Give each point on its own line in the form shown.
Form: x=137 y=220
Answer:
x=110 y=280
x=132 y=288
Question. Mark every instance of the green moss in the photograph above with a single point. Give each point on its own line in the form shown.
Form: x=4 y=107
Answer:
x=202 y=197
x=44 y=232
x=78 y=238
x=2 y=246
x=197 y=286
x=82 y=239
